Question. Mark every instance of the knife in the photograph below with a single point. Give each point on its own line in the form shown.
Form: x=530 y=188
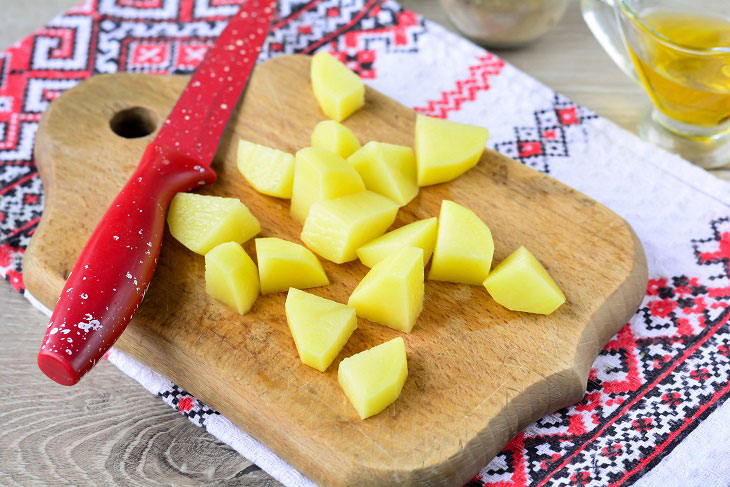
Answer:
x=110 y=278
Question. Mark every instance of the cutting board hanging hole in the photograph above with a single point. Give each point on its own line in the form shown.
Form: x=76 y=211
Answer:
x=472 y=363
x=133 y=123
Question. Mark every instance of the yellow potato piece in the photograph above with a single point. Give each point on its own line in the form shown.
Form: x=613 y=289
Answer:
x=373 y=379
x=269 y=171
x=392 y=292
x=284 y=264
x=201 y=222
x=445 y=149
x=338 y=90
x=320 y=175
x=387 y=169
x=320 y=327
x=231 y=276
x=335 y=137
x=464 y=246
x=521 y=283
x=335 y=229
x=421 y=233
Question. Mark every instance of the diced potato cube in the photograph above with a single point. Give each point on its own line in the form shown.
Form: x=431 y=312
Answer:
x=373 y=379
x=320 y=175
x=464 y=246
x=445 y=149
x=421 y=233
x=231 y=276
x=335 y=229
x=387 y=169
x=335 y=137
x=284 y=264
x=201 y=222
x=269 y=171
x=338 y=90
x=521 y=283
x=392 y=292
x=320 y=327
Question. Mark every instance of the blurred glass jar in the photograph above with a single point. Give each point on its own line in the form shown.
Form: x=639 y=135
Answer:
x=504 y=23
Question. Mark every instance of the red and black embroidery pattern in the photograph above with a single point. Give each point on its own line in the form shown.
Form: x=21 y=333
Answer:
x=165 y=36
x=192 y=408
x=550 y=136
x=652 y=384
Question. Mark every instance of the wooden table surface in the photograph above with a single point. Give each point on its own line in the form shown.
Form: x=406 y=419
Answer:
x=90 y=434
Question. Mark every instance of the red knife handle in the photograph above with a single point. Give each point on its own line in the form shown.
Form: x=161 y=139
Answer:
x=111 y=276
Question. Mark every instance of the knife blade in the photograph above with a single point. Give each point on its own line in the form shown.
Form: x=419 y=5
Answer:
x=111 y=276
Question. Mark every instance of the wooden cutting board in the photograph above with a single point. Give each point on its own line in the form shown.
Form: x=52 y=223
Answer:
x=478 y=373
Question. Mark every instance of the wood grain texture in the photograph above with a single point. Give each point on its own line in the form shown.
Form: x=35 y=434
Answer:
x=569 y=60
x=478 y=373
x=106 y=431
x=554 y=59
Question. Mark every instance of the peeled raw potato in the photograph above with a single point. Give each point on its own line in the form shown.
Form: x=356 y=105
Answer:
x=521 y=283
x=320 y=175
x=335 y=229
x=373 y=379
x=335 y=137
x=201 y=222
x=269 y=171
x=284 y=265
x=392 y=292
x=421 y=233
x=387 y=169
x=231 y=276
x=320 y=327
x=464 y=246
x=338 y=90
x=445 y=149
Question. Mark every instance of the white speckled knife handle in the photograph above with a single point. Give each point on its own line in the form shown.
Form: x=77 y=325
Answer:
x=111 y=276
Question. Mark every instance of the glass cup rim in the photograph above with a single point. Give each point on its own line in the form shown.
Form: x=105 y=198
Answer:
x=623 y=4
